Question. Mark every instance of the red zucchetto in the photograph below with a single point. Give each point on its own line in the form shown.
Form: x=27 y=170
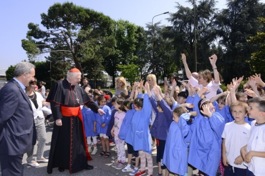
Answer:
x=74 y=70
x=107 y=97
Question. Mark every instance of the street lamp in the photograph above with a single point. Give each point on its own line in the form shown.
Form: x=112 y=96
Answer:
x=158 y=15
x=195 y=34
x=153 y=32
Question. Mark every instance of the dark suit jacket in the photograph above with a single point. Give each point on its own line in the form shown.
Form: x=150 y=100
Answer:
x=16 y=120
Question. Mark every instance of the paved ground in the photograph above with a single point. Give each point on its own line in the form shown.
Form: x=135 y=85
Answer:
x=102 y=166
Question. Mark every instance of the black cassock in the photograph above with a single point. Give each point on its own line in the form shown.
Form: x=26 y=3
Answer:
x=68 y=145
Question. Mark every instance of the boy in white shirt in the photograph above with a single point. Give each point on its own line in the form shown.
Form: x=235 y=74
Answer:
x=254 y=152
x=235 y=136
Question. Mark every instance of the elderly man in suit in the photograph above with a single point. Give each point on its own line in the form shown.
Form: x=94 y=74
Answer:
x=16 y=120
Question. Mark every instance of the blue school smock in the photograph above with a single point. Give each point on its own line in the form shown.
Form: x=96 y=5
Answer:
x=111 y=122
x=205 y=144
x=174 y=105
x=126 y=129
x=226 y=113
x=101 y=119
x=89 y=118
x=249 y=120
x=140 y=127
x=189 y=99
x=162 y=120
x=175 y=156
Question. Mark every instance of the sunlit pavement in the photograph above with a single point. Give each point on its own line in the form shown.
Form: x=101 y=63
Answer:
x=102 y=165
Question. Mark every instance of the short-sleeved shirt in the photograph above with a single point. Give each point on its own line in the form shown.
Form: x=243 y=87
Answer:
x=236 y=136
x=257 y=143
x=212 y=87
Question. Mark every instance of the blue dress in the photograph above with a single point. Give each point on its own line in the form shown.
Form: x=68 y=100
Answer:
x=141 y=139
x=89 y=119
x=103 y=119
x=162 y=120
x=205 y=144
x=175 y=154
x=225 y=112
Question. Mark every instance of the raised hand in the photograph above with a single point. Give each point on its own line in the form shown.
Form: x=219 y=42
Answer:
x=206 y=110
x=236 y=82
x=183 y=58
x=252 y=82
x=213 y=60
x=147 y=88
x=258 y=79
x=250 y=93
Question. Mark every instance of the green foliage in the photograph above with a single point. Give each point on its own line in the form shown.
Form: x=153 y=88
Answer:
x=128 y=48
x=193 y=32
x=30 y=47
x=257 y=61
x=10 y=72
x=93 y=42
x=130 y=71
x=236 y=25
x=70 y=31
x=161 y=60
x=42 y=72
x=58 y=65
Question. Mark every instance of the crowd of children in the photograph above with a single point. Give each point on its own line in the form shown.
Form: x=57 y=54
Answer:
x=197 y=126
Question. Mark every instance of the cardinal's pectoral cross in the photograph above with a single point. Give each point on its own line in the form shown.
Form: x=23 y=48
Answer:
x=77 y=99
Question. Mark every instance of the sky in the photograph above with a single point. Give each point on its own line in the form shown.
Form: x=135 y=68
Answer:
x=16 y=14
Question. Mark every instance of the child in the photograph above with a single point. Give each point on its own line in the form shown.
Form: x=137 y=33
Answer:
x=175 y=154
x=235 y=136
x=180 y=99
x=205 y=143
x=141 y=134
x=90 y=129
x=118 y=118
x=161 y=124
x=254 y=152
x=126 y=134
x=111 y=121
x=102 y=126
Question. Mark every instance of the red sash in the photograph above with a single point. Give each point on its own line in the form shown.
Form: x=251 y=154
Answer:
x=70 y=111
x=76 y=112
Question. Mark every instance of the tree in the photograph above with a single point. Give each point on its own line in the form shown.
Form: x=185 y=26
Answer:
x=235 y=25
x=68 y=30
x=10 y=72
x=41 y=72
x=161 y=51
x=41 y=69
x=131 y=72
x=193 y=31
x=141 y=58
x=257 y=61
x=127 y=47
